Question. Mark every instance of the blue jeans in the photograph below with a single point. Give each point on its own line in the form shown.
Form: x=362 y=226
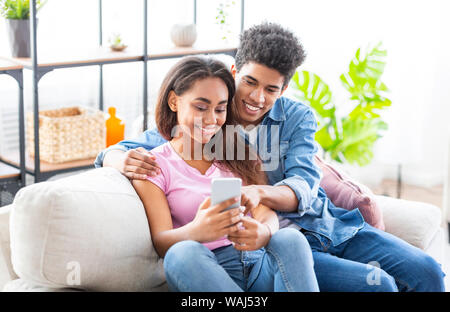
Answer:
x=285 y=264
x=373 y=260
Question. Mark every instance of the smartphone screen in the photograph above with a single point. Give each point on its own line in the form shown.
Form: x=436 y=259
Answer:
x=225 y=188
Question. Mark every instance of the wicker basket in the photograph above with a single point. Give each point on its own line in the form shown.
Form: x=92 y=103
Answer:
x=68 y=134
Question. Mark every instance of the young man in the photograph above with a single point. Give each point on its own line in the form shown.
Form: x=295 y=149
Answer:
x=349 y=254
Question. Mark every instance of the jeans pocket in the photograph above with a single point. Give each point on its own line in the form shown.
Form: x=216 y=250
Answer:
x=316 y=241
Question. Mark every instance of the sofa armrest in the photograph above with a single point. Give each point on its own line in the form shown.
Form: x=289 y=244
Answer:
x=415 y=222
x=87 y=231
x=6 y=270
x=437 y=247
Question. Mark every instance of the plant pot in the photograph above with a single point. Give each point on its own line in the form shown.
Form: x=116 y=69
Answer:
x=19 y=37
x=118 y=48
x=183 y=35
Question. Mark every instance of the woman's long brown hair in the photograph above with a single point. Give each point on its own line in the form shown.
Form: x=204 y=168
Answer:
x=180 y=78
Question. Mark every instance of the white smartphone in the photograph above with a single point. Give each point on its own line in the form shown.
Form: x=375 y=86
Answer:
x=225 y=188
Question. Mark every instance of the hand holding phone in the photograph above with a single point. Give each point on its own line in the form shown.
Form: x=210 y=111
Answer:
x=212 y=222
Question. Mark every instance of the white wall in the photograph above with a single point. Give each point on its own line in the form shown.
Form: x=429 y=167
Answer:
x=415 y=34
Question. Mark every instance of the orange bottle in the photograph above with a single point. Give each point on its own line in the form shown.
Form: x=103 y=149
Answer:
x=115 y=129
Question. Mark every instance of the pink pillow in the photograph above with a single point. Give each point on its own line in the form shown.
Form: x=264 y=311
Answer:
x=348 y=194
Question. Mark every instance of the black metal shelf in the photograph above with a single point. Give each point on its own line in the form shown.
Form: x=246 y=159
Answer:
x=11 y=178
x=99 y=57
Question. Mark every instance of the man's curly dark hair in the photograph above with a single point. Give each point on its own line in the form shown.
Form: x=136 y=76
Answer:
x=271 y=45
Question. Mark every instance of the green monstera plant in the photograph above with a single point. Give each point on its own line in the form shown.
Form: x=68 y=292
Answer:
x=350 y=138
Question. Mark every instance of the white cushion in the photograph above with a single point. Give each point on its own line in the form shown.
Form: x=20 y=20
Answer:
x=414 y=222
x=89 y=229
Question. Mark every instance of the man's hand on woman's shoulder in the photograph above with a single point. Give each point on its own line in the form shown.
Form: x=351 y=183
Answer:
x=135 y=164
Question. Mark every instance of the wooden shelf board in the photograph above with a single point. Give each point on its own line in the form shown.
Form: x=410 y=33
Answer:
x=13 y=157
x=180 y=51
x=7 y=65
x=8 y=171
x=105 y=55
x=99 y=55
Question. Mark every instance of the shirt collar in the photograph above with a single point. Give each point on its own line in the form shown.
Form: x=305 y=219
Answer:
x=277 y=111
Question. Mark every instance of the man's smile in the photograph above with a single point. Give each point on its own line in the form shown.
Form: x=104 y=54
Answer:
x=251 y=109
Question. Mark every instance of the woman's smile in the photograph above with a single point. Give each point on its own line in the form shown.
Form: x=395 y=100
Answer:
x=208 y=130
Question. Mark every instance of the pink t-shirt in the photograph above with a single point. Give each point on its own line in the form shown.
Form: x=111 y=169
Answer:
x=185 y=187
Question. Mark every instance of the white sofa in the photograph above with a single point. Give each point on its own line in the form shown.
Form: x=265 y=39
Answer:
x=89 y=232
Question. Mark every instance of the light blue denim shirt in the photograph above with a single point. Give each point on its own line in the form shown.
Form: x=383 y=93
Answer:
x=285 y=143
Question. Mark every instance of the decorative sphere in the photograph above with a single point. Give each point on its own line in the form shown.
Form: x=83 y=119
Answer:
x=183 y=35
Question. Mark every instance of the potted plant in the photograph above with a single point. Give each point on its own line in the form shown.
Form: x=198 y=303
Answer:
x=348 y=138
x=116 y=43
x=17 y=15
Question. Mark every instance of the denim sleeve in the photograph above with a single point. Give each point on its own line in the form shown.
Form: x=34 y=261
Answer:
x=301 y=173
x=98 y=163
x=149 y=139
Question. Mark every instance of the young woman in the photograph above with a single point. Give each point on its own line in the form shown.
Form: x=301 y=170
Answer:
x=204 y=247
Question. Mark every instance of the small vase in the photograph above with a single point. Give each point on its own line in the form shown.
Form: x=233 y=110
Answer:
x=183 y=35
x=19 y=37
